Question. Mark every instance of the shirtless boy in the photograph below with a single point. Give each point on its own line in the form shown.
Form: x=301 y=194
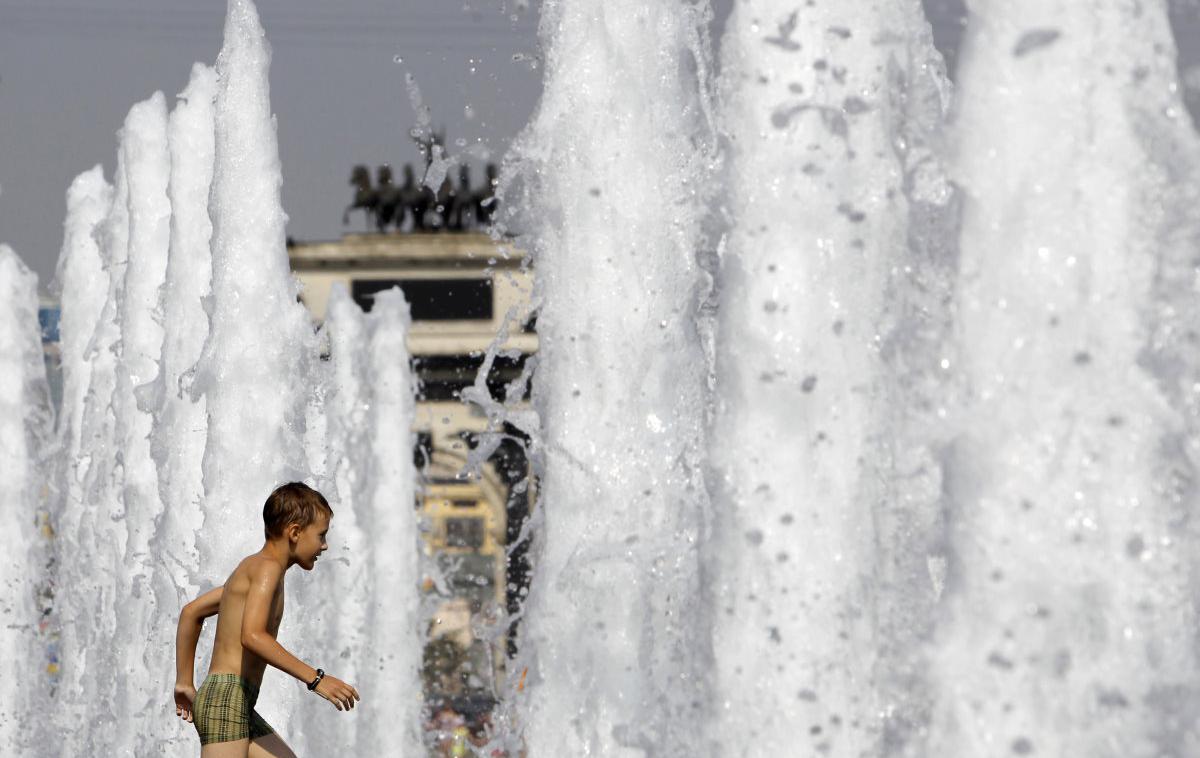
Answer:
x=248 y=609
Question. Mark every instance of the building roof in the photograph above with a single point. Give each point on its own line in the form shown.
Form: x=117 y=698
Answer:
x=400 y=250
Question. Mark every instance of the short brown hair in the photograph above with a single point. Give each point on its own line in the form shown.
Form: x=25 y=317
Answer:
x=293 y=503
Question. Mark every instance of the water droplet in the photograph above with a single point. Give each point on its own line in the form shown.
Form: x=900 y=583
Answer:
x=1135 y=547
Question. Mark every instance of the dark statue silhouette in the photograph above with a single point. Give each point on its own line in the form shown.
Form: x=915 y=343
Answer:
x=413 y=206
x=364 y=196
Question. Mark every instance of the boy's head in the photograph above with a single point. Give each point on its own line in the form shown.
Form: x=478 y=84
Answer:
x=293 y=503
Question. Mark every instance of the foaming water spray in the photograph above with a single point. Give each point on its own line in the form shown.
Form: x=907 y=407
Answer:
x=192 y=387
x=614 y=641
x=949 y=435
x=25 y=425
x=860 y=429
x=1070 y=621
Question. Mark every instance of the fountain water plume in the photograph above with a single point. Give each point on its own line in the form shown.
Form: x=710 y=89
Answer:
x=251 y=377
x=147 y=165
x=112 y=579
x=831 y=113
x=91 y=560
x=177 y=439
x=254 y=378
x=614 y=652
x=1070 y=623
x=808 y=482
x=25 y=426
x=392 y=655
x=82 y=281
x=191 y=389
x=343 y=452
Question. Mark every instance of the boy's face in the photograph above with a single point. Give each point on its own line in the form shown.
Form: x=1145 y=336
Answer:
x=311 y=543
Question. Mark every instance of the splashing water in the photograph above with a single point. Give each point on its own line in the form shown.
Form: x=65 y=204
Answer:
x=948 y=498
x=24 y=434
x=190 y=373
x=828 y=119
x=615 y=664
x=1066 y=627
x=859 y=431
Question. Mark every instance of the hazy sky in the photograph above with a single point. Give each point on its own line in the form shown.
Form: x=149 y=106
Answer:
x=71 y=69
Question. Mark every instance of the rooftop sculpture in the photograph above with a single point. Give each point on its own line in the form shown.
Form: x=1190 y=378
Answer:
x=414 y=206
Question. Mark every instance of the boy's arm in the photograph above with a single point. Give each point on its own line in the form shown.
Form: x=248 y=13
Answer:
x=191 y=619
x=264 y=579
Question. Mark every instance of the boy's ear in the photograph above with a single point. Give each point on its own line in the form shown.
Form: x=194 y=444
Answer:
x=292 y=531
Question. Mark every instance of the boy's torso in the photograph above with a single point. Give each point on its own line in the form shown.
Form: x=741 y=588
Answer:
x=229 y=657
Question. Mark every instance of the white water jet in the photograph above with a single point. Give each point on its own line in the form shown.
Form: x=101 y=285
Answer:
x=91 y=560
x=146 y=309
x=613 y=646
x=347 y=585
x=1071 y=622
x=142 y=647
x=25 y=425
x=82 y=282
x=363 y=606
x=255 y=365
x=1064 y=598
x=178 y=436
x=339 y=458
x=105 y=564
x=251 y=374
x=819 y=501
x=391 y=658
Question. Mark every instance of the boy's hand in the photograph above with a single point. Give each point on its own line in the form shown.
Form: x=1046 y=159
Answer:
x=337 y=692
x=185 y=695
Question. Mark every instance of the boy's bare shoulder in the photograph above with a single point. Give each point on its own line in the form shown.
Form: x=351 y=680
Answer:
x=258 y=567
x=253 y=567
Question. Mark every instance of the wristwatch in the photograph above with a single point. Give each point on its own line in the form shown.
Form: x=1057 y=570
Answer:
x=313 y=684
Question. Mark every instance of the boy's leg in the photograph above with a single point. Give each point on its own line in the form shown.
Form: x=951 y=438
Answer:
x=229 y=749
x=268 y=746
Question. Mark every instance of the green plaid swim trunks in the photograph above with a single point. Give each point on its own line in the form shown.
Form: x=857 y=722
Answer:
x=224 y=710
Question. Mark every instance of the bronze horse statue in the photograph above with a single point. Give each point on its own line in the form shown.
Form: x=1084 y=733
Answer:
x=413 y=206
x=387 y=198
x=365 y=198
